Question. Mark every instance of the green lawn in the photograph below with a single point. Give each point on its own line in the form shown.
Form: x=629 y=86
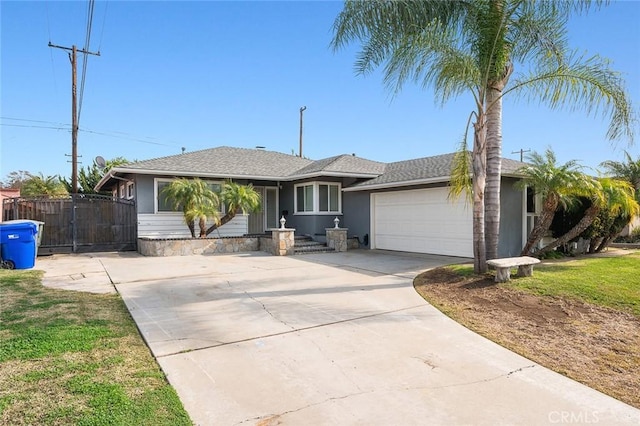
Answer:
x=76 y=358
x=613 y=282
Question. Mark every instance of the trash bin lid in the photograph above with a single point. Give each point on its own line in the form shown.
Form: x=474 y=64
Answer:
x=11 y=225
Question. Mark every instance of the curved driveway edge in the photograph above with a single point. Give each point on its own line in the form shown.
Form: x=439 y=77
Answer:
x=333 y=339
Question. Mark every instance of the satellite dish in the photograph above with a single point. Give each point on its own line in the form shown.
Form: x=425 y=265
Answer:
x=100 y=162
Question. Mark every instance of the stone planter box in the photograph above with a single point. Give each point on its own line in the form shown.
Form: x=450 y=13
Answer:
x=191 y=246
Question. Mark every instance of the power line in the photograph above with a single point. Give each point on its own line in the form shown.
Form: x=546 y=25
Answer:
x=108 y=133
x=31 y=126
x=104 y=19
x=85 y=58
x=33 y=121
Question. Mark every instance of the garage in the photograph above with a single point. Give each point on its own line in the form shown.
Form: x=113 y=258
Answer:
x=421 y=221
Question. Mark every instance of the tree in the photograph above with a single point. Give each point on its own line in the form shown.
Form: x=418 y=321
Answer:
x=628 y=170
x=616 y=196
x=197 y=201
x=237 y=198
x=15 y=179
x=557 y=186
x=89 y=176
x=40 y=185
x=471 y=46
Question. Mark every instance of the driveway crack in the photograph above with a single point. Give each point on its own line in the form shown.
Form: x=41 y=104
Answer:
x=490 y=379
x=267 y=419
x=264 y=307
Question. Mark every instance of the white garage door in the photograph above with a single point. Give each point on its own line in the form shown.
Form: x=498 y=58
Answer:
x=421 y=221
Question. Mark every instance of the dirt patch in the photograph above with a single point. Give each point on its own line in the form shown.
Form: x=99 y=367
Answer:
x=596 y=346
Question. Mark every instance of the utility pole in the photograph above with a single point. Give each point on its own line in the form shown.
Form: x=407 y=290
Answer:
x=301 y=111
x=521 y=151
x=74 y=114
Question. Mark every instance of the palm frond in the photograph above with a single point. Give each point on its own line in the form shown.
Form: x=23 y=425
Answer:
x=588 y=84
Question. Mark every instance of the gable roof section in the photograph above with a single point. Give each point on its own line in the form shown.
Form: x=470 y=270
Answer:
x=422 y=171
x=341 y=165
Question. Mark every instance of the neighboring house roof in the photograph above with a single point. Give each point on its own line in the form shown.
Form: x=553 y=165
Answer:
x=421 y=171
x=243 y=163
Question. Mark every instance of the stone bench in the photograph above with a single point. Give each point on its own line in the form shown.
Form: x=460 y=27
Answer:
x=503 y=267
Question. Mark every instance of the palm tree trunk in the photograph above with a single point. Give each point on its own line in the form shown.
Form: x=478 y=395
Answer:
x=479 y=163
x=494 y=166
x=544 y=222
x=604 y=243
x=594 y=244
x=223 y=220
x=589 y=217
x=203 y=226
x=191 y=225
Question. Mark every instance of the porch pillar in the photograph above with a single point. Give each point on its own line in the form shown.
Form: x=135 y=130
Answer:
x=282 y=241
x=337 y=238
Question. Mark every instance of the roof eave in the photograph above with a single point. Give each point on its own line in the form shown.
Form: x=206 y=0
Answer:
x=387 y=185
x=331 y=174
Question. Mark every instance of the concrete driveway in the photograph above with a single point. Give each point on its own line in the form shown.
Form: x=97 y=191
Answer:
x=328 y=339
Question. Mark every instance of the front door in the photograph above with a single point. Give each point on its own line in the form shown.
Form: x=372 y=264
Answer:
x=267 y=217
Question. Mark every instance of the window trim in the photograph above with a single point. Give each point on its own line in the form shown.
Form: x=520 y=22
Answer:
x=130 y=190
x=316 y=199
x=156 y=194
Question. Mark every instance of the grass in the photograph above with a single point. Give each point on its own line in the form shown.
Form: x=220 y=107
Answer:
x=611 y=282
x=76 y=358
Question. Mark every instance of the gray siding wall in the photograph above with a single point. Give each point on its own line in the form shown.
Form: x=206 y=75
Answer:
x=145 y=194
x=357 y=215
x=511 y=214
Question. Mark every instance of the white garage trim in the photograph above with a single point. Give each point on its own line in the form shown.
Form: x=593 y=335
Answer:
x=421 y=221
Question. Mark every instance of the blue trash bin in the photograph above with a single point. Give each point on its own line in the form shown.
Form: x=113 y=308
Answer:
x=18 y=244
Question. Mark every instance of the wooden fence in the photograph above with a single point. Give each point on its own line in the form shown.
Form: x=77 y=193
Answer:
x=78 y=223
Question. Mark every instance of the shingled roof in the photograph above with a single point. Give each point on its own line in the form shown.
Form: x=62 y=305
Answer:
x=229 y=162
x=223 y=161
x=343 y=165
x=423 y=170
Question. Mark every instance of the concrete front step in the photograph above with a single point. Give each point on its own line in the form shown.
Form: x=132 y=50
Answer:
x=312 y=249
x=305 y=244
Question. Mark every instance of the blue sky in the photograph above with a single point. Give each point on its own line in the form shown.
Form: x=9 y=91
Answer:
x=204 y=74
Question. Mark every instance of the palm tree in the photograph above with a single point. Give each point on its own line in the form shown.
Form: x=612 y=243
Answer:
x=237 y=198
x=196 y=200
x=628 y=170
x=557 y=186
x=471 y=46
x=41 y=185
x=613 y=194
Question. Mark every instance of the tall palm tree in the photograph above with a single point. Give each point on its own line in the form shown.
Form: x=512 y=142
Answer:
x=196 y=200
x=557 y=186
x=613 y=194
x=472 y=46
x=628 y=170
x=237 y=198
x=41 y=185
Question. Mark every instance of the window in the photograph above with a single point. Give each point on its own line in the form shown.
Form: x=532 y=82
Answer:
x=130 y=192
x=165 y=205
x=304 y=198
x=122 y=190
x=317 y=197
